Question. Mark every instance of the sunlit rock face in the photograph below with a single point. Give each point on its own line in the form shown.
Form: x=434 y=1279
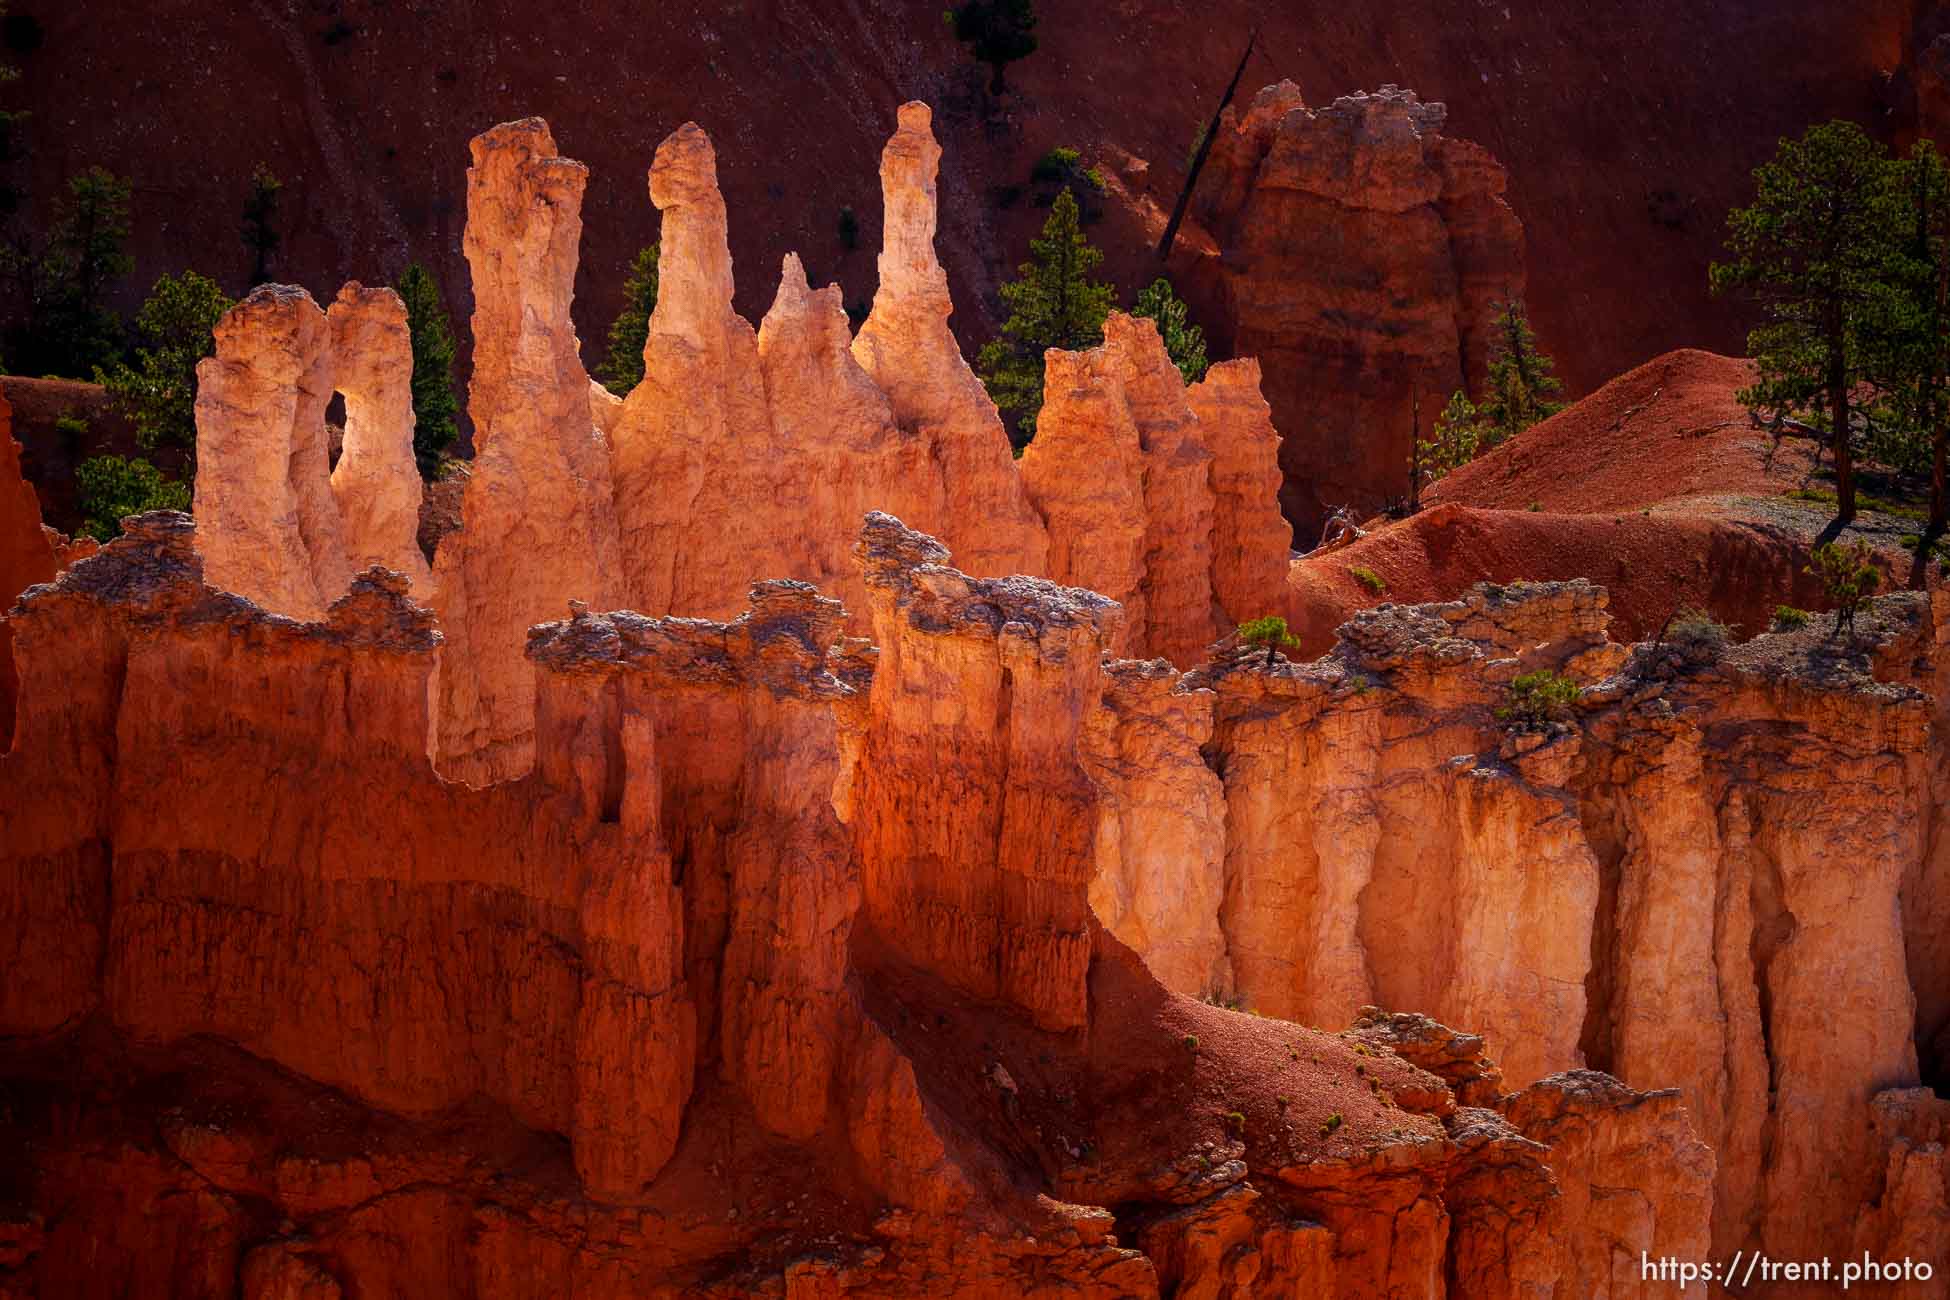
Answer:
x=538 y=522
x=269 y=525
x=743 y=455
x=376 y=483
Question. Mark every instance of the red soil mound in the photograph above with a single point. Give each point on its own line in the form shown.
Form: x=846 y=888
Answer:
x=1669 y=429
x=1652 y=564
x=1655 y=487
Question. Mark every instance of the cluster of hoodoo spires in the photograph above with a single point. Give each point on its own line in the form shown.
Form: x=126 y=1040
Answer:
x=743 y=454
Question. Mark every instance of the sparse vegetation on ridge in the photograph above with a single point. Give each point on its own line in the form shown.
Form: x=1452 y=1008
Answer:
x=1849 y=578
x=1270 y=634
x=1538 y=701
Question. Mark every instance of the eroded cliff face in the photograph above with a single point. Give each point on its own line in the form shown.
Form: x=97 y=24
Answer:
x=538 y=522
x=270 y=527
x=700 y=987
x=1701 y=881
x=557 y=920
x=906 y=348
x=376 y=483
x=1360 y=253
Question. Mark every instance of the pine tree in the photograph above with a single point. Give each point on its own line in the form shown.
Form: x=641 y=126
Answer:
x=997 y=32
x=70 y=331
x=158 y=392
x=1054 y=304
x=1816 y=248
x=434 y=403
x=1520 y=389
x=1184 y=341
x=260 y=222
x=1269 y=634
x=622 y=367
x=1908 y=342
x=1454 y=442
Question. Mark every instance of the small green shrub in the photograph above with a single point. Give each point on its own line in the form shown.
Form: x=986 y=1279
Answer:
x=112 y=488
x=1787 y=618
x=1268 y=632
x=1198 y=142
x=1191 y=1042
x=1236 y=1121
x=1368 y=578
x=1849 y=578
x=1699 y=638
x=1333 y=1122
x=1538 y=701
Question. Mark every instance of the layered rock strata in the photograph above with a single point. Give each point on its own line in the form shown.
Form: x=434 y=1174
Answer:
x=1361 y=251
x=691 y=1006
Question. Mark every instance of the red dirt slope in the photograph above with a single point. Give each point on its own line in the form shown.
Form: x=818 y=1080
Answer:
x=1657 y=487
x=1652 y=564
x=1669 y=429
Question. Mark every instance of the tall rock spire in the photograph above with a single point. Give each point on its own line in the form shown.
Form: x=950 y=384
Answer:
x=907 y=349
x=539 y=521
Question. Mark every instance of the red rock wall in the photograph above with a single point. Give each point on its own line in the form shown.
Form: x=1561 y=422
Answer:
x=1672 y=887
x=742 y=455
x=1359 y=252
x=1158 y=495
